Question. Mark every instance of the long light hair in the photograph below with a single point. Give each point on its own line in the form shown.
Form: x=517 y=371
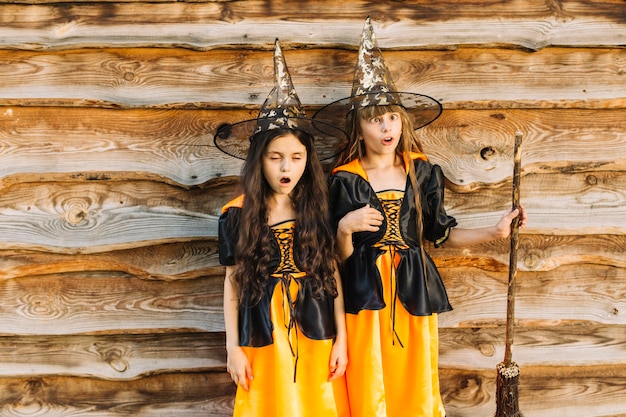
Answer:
x=409 y=142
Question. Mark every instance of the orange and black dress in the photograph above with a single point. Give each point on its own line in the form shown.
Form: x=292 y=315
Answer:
x=392 y=299
x=287 y=336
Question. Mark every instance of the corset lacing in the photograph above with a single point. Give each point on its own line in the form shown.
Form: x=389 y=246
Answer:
x=287 y=272
x=392 y=241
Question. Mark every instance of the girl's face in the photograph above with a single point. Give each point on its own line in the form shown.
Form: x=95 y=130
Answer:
x=284 y=162
x=381 y=134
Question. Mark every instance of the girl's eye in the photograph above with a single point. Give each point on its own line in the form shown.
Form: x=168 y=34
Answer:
x=394 y=117
x=374 y=120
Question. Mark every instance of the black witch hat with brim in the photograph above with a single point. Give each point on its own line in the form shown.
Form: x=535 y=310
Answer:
x=281 y=110
x=374 y=86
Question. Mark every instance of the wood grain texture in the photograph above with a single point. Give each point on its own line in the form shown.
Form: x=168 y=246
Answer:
x=174 y=146
x=95 y=216
x=113 y=357
x=81 y=217
x=110 y=188
x=474 y=147
x=175 y=394
x=538 y=253
x=591 y=203
x=573 y=344
x=578 y=391
x=166 y=262
x=167 y=78
x=532 y=24
x=109 y=302
x=570 y=293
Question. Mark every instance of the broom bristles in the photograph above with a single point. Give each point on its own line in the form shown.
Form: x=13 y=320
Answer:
x=506 y=390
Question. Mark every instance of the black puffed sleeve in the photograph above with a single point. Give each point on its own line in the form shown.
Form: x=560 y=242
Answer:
x=437 y=223
x=228 y=235
x=339 y=200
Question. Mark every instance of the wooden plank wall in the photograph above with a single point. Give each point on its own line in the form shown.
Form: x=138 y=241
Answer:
x=110 y=189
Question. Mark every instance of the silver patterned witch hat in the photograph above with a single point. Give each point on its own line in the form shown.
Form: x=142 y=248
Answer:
x=282 y=109
x=374 y=86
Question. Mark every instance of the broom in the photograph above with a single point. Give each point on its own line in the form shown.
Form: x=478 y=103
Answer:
x=508 y=371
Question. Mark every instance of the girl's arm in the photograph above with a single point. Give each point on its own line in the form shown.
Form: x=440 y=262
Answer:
x=237 y=364
x=461 y=238
x=339 y=352
x=365 y=219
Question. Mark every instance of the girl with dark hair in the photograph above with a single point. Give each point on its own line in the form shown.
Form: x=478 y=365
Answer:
x=386 y=201
x=283 y=303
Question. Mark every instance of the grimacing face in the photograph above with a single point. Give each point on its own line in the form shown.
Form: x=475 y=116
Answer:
x=284 y=163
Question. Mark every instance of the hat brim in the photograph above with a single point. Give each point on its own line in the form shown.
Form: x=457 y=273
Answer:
x=423 y=109
x=234 y=139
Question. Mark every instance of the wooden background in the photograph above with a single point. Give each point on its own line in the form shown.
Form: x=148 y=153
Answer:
x=110 y=187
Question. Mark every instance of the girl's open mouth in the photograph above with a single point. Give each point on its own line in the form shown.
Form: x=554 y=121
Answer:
x=285 y=180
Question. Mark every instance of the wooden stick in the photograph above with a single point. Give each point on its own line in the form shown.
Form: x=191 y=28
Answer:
x=510 y=306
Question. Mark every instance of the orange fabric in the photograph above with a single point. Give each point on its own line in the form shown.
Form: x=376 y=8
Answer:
x=235 y=202
x=384 y=378
x=273 y=391
x=355 y=167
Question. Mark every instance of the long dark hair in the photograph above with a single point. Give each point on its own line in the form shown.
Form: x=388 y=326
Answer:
x=313 y=235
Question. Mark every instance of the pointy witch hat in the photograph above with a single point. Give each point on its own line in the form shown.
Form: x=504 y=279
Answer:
x=281 y=109
x=374 y=86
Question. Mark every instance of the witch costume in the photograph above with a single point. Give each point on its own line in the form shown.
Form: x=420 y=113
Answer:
x=288 y=335
x=392 y=289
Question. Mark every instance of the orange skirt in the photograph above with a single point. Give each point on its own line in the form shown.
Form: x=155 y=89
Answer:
x=273 y=391
x=393 y=374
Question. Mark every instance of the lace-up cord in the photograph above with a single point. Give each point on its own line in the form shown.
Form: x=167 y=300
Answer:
x=392 y=241
x=287 y=272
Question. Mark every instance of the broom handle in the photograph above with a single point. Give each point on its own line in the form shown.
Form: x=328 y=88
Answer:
x=510 y=301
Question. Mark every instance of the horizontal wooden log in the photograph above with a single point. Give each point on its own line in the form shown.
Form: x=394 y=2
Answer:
x=595 y=294
x=474 y=147
x=578 y=391
x=580 y=344
x=575 y=391
x=583 y=203
x=175 y=394
x=188 y=260
x=175 y=261
x=99 y=216
x=537 y=253
x=111 y=356
x=115 y=215
x=85 y=218
x=128 y=356
x=195 y=24
x=174 y=146
x=464 y=78
x=97 y=303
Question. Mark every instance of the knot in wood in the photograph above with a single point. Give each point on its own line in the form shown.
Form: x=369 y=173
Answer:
x=591 y=180
x=117 y=363
x=76 y=215
x=34 y=387
x=487 y=349
x=487 y=153
x=532 y=259
x=114 y=356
